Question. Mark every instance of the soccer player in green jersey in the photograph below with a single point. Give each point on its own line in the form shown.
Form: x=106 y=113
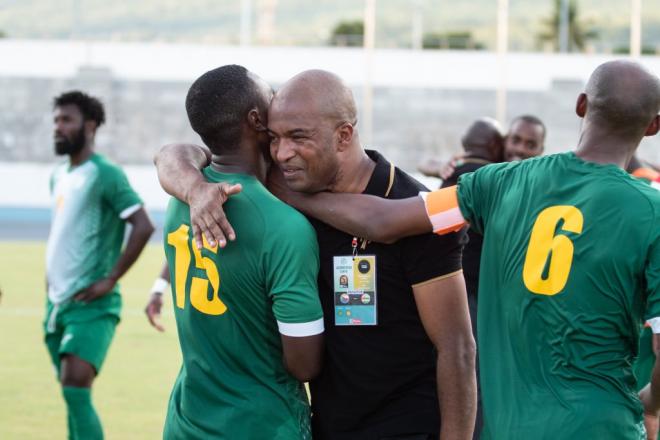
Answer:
x=248 y=315
x=570 y=267
x=84 y=259
x=400 y=366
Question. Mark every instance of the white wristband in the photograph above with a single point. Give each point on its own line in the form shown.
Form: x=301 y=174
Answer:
x=160 y=285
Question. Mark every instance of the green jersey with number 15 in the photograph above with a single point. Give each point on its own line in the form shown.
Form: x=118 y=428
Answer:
x=570 y=269
x=231 y=305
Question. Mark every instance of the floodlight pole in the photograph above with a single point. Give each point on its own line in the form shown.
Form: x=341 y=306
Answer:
x=369 y=42
x=417 y=25
x=635 y=28
x=564 y=31
x=502 y=51
x=76 y=19
x=246 y=23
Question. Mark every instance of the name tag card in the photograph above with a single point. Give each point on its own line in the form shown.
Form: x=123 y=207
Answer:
x=355 y=290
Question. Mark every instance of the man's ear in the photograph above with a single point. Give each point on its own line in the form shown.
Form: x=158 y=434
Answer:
x=581 y=105
x=256 y=121
x=90 y=128
x=653 y=127
x=344 y=135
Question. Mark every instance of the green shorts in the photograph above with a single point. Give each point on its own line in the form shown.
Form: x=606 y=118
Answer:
x=84 y=330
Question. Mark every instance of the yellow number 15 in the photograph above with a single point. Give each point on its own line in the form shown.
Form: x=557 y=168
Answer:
x=549 y=251
x=199 y=287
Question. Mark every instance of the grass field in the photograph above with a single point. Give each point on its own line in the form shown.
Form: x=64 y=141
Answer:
x=132 y=391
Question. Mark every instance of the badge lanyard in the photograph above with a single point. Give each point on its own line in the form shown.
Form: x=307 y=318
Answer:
x=354 y=279
x=362 y=241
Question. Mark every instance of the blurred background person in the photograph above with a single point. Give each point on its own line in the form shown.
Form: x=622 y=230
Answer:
x=92 y=202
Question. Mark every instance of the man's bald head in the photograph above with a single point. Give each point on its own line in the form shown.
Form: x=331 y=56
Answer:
x=484 y=138
x=320 y=92
x=622 y=96
x=312 y=128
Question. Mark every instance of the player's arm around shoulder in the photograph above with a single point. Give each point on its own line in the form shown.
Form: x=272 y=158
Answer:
x=179 y=167
x=292 y=264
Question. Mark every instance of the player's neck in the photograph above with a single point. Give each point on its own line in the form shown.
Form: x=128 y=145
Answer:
x=479 y=153
x=354 y=173
x=243 y=161
x=82 y=155
x=603 y=147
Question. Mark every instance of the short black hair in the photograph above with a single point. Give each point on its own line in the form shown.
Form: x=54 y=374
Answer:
x=217 y=104
x=90 y=107
x=530 y=119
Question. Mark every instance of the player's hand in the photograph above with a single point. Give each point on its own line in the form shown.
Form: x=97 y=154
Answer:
x=651 y=412
x=651 y=425
x=153 y=309
x=447 y=169
x=430 y=167
x=96 y=290
x=207 y=216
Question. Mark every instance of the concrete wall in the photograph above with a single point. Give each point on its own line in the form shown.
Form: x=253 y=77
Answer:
x=421 y=114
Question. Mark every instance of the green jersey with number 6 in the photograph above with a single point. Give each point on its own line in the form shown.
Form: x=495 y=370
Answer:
x=231 y=305
x=570 y=269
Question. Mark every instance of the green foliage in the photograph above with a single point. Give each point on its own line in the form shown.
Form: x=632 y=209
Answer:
x=348 y=33
x=450 y=40
x=302 y=22
x=580 y=32
x=3 y=34
x=645 y=50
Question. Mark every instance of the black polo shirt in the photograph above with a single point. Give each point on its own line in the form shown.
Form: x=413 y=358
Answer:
x=379 y=380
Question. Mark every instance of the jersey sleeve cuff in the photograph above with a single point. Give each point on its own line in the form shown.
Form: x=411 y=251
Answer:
x=301 y=329
x=126 y=213
x=655 y=325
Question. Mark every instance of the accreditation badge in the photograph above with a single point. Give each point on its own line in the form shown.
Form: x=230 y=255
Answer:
x=355 y=290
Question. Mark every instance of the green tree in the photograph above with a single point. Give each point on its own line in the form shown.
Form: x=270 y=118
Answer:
x=450 y=40
x=645 y=50
x=3 y=34
x=348 y=33
x=579 y=31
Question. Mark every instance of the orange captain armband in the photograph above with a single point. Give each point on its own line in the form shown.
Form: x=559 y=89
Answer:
x=647 y=173
x=443 y=211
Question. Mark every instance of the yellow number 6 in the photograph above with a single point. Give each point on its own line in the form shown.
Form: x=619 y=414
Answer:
x=554 y=251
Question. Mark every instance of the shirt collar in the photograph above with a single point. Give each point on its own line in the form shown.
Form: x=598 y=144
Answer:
x=380 y=178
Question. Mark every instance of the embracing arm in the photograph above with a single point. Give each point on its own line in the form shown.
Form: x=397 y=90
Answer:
x=179 y=172
x=370 y=217
x=179 y=168
x=443 y=309
x=375 y=218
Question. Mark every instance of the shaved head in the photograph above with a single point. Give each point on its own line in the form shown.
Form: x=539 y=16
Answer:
x=312 y=128
x=324 y=94
x=482 y=132
x=623 y=96
x=484 y=138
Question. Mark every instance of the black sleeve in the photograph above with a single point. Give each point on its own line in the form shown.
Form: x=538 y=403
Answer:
x=429 y=256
